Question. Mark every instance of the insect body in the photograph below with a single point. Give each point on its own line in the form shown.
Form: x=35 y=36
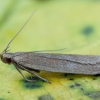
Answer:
x=64 y=63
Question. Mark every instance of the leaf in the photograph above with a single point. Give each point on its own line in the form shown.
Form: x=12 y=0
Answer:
x=55 y=25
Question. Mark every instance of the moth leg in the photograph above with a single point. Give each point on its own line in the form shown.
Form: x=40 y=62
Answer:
x=34 y=74
x=21 y=73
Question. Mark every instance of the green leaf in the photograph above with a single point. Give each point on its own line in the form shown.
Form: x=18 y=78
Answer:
x=56 y=24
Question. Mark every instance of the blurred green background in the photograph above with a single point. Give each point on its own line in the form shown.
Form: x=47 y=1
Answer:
x=56 y=24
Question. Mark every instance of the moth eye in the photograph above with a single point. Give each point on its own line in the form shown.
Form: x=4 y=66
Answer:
x=8 y=60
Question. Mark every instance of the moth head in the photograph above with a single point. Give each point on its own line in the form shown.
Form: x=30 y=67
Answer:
x=4 y=59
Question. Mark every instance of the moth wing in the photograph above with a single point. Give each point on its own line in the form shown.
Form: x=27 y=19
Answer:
x=64 y=63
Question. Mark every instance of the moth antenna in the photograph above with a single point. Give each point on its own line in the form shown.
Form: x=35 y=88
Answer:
x=5 y=50
x=41 y=51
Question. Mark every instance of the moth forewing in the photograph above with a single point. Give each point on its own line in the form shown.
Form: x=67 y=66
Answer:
x=63 y=63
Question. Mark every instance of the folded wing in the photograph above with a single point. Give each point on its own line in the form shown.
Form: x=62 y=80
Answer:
x=64 y=63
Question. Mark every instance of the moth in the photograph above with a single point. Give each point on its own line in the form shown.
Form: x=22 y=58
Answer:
x=37 y=61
